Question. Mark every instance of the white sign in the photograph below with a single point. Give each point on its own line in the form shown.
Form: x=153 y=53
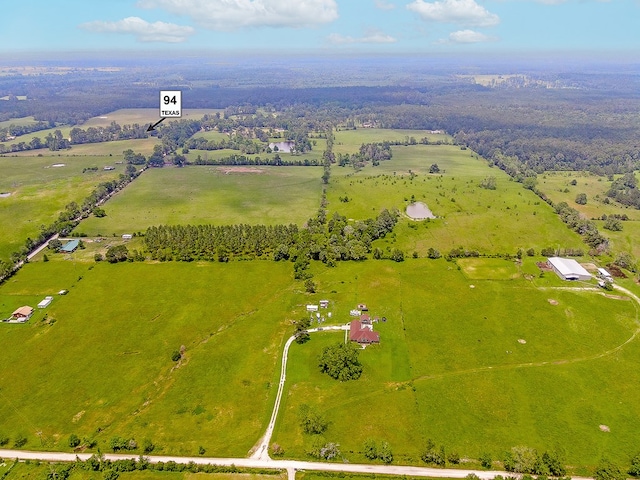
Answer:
x=170 y=103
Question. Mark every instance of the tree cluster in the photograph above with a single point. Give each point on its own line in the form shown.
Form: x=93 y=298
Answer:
x=340 y=361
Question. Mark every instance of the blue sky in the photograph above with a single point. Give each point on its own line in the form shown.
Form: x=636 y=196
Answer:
x=325 y=26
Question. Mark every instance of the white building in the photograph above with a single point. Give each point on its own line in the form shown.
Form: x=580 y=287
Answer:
x=602 y=273
x=45 y=303
x=312 y=308
x=568 y=269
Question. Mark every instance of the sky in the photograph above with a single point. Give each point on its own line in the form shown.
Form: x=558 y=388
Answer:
x=585 y=27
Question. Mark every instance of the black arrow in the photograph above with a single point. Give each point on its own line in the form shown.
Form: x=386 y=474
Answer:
x=153 y=127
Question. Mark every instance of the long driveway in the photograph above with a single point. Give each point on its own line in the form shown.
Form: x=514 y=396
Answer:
x=262 y=450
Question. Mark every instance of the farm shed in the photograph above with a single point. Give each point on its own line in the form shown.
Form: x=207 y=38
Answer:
x=603 y=273
x=45 y=302
x=568 y=269
x=22 y=313
x=127 y=236
x=70 y=247
x=363 y=334
x=312 y=308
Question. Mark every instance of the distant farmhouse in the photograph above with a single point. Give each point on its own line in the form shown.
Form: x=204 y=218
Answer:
x=568 y=269
x=70 y=247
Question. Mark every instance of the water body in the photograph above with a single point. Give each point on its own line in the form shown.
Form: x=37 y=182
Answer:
x=284 y=147
x=419 y=211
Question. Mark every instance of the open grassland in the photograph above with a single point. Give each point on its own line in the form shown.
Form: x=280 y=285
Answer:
x=39 y=471
x=453 y=366
x=18 y=122
x=112 y=149
x=38 y=192
x=474 y=364
x=490 y=221
x=104 y=367
x=557 y=186
x=142 y=116
x=211 y=195
x=315 y=154
x=349 y=141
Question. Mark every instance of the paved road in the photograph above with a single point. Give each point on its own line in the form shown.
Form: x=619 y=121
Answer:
x=290 y=465
x=262 y=450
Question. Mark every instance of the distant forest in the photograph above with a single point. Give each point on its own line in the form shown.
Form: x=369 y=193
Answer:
x=583 y=122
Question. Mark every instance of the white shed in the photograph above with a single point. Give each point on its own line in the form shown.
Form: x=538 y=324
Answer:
x=46 y=302
x=568 y=269
x=605 y=274
x=312 y=308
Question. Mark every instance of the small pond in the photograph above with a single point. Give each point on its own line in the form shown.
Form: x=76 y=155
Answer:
x=419 y=211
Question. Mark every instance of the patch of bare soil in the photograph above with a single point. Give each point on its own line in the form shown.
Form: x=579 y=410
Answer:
x=544 y=266
x=228 y=170
x=552 y=301
x=604 y=428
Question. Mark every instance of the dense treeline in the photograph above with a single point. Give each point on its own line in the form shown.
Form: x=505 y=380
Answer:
x=625 y=190
x=326 y=241
x=276 y=160
x=16 y=130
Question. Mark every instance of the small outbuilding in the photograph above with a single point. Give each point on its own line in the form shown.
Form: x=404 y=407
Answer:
x=23 y=313
x=312 y=308
x=70 y=247
x=324 y=303
x=605 y=275
x=568 y=269
x=45 y=302
x=127 y=236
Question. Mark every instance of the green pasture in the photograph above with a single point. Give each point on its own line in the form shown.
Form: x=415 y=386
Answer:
x=349 y=141
x=41 y=134
x=556 y=184
x=103 y=368
x=626 y=240
x=38 y=192
x=211 y=135
x=490 y=221
x=112 y=149
x=315 y=154
x=208 y=195
x=476 y=369
x=142 y=116
x=22 y=121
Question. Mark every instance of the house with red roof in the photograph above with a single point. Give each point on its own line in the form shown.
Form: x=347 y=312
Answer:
x=363 y=333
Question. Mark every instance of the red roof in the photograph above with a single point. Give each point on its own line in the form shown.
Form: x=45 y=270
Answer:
x=362 y=334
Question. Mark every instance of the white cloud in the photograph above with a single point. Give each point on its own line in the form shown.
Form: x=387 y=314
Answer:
x=469 y=36
x=234 y=14
x=384 y=5
x=143 y=30
x=461 y=12
x=370 y=37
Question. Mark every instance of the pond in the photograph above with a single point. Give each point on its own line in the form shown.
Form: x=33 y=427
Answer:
x=419 y=211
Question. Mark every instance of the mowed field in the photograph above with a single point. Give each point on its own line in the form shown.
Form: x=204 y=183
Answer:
x=104 y=367
x=38 y=192
x=508 y=362
x=212 y=195
x=490 y=221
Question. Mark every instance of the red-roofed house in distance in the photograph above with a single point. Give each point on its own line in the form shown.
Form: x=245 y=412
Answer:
x=22 y=314
x=362 y=333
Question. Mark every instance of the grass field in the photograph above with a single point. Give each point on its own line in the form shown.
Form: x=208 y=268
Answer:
x=491 y=221
x=18 y=122
x=206 y=195
x=349 y=141
x=38 y=192
x=41 y=134
x=557 y=186
x=111 y=149
x=129 y=318
x=315 y=154
x=142 y=116
x=452 y=367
